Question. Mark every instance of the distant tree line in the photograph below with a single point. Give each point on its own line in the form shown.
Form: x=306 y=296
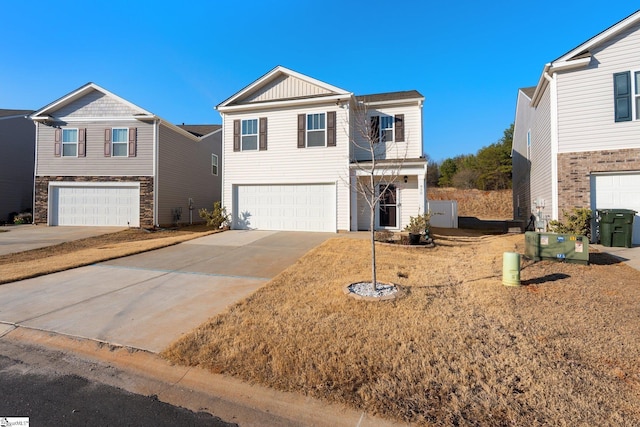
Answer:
x=489 y=169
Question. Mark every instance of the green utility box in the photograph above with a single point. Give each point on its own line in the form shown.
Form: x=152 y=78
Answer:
x=562 y=247
x=616 y=227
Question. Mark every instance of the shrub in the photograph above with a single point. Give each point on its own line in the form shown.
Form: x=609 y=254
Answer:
x=216 y=218
x=23 y=218
x=578 y=221
x=419 y=224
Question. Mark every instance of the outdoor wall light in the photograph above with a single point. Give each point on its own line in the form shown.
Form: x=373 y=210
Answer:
x=406 y=178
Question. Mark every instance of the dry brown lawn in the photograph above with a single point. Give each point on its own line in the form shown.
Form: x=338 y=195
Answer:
x=77 y=253
x=458 y=349
x=496 y=205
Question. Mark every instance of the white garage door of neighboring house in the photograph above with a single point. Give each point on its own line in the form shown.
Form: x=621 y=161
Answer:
x=618 y=191
x=293 y=207
x=95 y=204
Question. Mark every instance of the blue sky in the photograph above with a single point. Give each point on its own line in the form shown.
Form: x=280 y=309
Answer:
x=180 y=59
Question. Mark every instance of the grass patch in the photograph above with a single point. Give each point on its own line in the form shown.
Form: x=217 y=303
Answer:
x=458 y=349
x=78 y=253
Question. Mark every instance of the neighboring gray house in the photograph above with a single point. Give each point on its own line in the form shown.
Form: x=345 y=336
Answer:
x=102 y=160
x=576 y=140
x=17 y=140
x=291 y=161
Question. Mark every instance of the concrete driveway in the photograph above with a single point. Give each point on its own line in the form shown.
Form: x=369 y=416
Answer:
x=20 y=238
x=147 y=301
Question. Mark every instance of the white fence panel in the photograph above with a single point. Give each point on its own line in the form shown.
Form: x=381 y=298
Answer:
x=444 y=213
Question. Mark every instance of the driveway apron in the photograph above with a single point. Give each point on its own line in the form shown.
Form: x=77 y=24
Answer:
x=149 y=300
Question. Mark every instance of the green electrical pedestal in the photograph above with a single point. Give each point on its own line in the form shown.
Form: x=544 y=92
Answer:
x=561 y=247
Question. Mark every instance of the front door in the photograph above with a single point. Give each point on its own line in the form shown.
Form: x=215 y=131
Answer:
x=388 y=211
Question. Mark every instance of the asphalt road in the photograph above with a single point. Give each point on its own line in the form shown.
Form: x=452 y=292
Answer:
x=47 y=397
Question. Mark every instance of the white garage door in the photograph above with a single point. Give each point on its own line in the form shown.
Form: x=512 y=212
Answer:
x=95 y=204
x=618 y=191
x=295 y=207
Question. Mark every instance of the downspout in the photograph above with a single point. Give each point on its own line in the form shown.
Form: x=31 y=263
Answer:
x=553 y=107
x=222 y=163
x=156 y=124
x=35 y=172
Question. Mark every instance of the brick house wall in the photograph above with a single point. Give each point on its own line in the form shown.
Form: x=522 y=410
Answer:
x=42 y=194
x=575 y=169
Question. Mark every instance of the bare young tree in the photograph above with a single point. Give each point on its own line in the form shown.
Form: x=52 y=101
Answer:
x=377 y=159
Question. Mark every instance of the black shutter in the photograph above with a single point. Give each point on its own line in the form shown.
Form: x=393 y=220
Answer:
x=375 y=130
x=622 y=96
x=57 y=144
x=107 y=142
x=302 y=118
x=132 y=141
x=82 y=144
x=399 y=127
x=331 y=129
x=236 y=135
x=263 y=133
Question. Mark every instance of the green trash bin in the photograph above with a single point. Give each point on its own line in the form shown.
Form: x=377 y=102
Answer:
x=616 y=227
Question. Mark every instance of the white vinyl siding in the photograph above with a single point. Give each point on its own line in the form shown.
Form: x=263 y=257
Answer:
x=585 y=99
x=95 y=163
x=521 y=157
x=184 y=171
x=284 y=163
x=541 y=169
x=411 y=148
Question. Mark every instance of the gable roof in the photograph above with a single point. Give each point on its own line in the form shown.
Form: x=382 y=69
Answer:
x=528 y=91
x=580 y=56
x=253 y=94
x=200 y=130
x=46 y=111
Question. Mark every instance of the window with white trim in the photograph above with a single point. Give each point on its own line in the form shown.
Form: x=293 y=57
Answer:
x=214 y=164
x=529 y=144
x=69 y=142
x=386 y=129
x=249 y=137
x=316 y=130
x=120 y=142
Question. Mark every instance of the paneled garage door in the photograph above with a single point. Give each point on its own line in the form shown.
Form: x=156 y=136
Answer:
x=95 y=204
x=618 y=191
x=295 y=207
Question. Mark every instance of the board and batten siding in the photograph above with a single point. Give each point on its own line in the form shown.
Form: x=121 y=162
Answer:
x=184 y=171
x=541 y=165
x=411 y=148
x=285 y=87
x=95 y=163
x=585 y=99
x=284 y=163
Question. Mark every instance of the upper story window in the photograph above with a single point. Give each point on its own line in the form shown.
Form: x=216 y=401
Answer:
x=214 y=164
x=386 y=128
x=249 y=134
x=316 y=130
x=120 y=141
x=529 y=145
x=626 y=95
x=637 y=93
x=69 y=142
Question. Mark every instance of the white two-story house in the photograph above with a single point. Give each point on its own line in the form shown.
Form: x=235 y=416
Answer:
x=292 y=155
x=576 y=140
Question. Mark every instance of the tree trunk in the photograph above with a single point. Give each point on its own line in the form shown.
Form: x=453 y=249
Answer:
x=372 y=222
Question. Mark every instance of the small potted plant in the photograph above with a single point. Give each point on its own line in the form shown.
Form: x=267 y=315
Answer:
x=418 y=226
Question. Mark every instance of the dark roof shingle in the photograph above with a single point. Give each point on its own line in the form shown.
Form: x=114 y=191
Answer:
x=200 y=130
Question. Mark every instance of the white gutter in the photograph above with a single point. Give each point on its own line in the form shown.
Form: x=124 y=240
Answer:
x=552 y=68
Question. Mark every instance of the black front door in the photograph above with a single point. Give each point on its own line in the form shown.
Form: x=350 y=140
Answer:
x=388 y=206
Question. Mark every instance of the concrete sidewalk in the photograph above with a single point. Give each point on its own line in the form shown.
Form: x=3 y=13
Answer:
x=630 y=256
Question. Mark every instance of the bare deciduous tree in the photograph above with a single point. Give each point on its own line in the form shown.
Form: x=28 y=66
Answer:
x=377 y=159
